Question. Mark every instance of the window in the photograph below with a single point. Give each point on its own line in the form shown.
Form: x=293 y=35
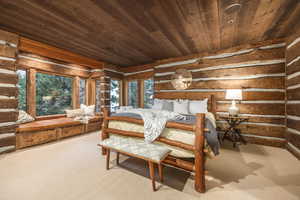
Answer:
x=22 y=89
x=114 y=94
x=133 y=94
x=98 y=96
x=148 y=93
x=53 y=94
x=82 y=91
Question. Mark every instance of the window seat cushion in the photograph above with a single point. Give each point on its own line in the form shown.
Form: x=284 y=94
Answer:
x=51 y=124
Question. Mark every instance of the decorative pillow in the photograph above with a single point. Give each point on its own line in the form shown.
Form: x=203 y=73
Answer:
x=124 y=109
x=198 y=106
x=88 y=110
x=181 y=107
x=74 y=113
x=158 y=104
x=168 y=105
x=24 y=117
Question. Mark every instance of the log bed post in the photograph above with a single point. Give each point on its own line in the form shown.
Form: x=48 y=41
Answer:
x=199 y=153
x=104 y=134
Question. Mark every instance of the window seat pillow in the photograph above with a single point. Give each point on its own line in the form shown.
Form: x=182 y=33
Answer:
x=24 y=117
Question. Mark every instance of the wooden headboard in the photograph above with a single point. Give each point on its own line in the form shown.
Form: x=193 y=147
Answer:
x=212 y=105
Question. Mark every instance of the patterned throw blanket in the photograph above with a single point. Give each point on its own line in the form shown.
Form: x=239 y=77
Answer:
x=155 y=121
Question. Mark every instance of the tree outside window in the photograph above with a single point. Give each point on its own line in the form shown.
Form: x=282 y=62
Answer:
x=53 y=94
x=22 y=89
x=148 y=93
x=133 y=94
x=114 y=94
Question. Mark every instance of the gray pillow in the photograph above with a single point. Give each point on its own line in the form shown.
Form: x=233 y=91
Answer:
x=168 y=105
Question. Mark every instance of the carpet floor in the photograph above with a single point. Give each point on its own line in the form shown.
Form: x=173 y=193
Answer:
x=73 y=169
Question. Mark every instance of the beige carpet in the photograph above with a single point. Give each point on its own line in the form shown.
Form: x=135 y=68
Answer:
x=73 y=169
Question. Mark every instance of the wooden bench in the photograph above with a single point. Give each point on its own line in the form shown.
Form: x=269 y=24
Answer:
x=152 y=153
x=43 y=131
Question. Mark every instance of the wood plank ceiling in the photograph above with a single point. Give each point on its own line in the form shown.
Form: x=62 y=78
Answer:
x=133 y=32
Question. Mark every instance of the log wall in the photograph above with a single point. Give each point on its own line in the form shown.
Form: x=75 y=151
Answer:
x=258 y=70
x=293 y=94
x=8 y=91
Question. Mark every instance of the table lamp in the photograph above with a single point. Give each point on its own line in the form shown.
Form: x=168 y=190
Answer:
x=233 y=94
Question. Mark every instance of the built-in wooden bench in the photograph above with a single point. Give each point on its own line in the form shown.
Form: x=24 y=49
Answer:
x=43 y=131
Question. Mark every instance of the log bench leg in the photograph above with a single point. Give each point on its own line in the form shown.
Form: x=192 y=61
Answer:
x=107 y=158
x=151 y=170
x=160 y=172
x=118 y=158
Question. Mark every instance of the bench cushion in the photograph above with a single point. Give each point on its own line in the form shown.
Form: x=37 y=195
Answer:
x=50 y=124
x=136 y=147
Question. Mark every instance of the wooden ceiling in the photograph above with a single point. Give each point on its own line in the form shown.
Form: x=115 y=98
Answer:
x=133 y=32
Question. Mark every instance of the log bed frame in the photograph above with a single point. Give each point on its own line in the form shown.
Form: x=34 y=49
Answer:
x=197 y=165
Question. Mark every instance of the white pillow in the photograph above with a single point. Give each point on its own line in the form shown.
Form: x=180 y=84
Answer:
x=124 y=109
x=24 y=117
x=88 y=110
x=74 y=113
x=181 y=107
x=198 y=106
x=158 y=104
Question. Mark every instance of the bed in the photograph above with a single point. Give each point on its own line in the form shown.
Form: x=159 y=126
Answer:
x=186 y=140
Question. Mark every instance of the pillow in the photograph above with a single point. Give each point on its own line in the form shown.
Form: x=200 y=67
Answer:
x=181 y=107
x=198 y=106
x=88 y=110
x=74 y=113
x=168 y=105
x=158 y=104
x=124 y=109
x=24 y=117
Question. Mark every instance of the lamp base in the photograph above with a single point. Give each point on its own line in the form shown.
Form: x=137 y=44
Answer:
x=233 y=110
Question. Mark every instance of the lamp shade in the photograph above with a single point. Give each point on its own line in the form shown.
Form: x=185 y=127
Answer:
x=234 y=94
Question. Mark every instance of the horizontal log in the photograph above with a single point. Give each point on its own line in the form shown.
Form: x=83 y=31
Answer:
x=8 y=51
x=256 y=55
x=8 y=117
x=9 y=91
x=243 y=71
x=292 y=52
x=7 y=149
x=223 y=51
x=219 y=96
x=137 y=68
x=294 y=150
x=31 y=62
x=159 y=139
x=293 y=138
x=48 y=51
x=261 y=119
x=294 y=124
x=8 y=103
x=9 y=37
x=9 y=78
x=171 y=160
x=293 y=109
x=259 y=130
x=143 y=75
x=8 y=141
x=266 y=141
x=113 y=74
x=293 y=94
x=7 y=64
x=186 y=127
x=96 y=74
x=293 y=81
x=8 y=129
x=266 y=83
x=261 y=109
x=295 y=67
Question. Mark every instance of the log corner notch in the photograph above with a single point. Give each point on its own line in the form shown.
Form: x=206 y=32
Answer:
x=8 y=91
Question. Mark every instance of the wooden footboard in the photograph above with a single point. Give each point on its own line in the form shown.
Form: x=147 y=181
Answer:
x=196 y=166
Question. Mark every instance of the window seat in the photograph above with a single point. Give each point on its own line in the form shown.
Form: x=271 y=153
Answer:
x=43 y=131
